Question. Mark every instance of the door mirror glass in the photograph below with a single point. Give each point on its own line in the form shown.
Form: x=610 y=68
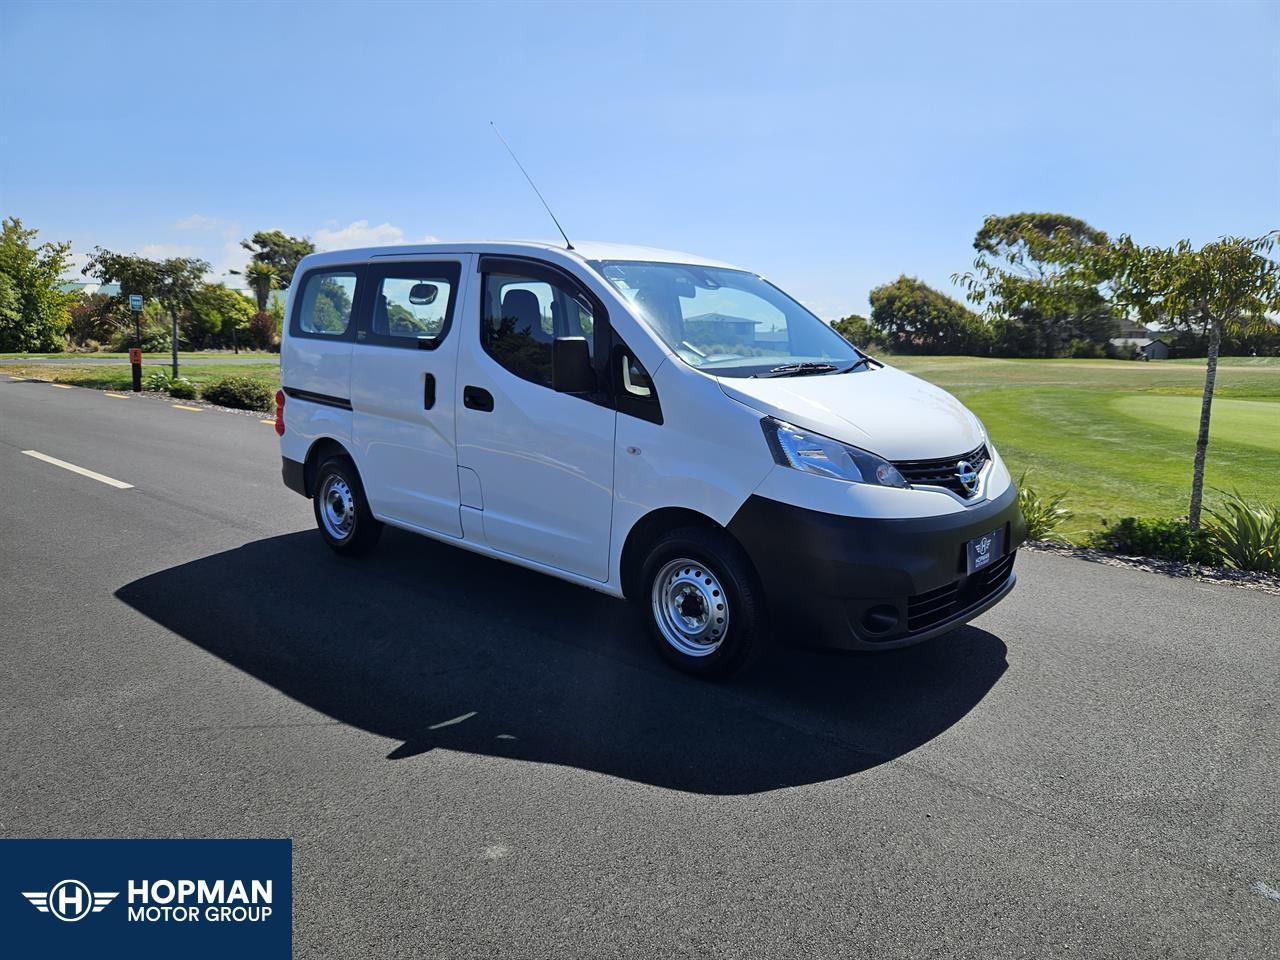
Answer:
x=571 y=370
x=423 y=294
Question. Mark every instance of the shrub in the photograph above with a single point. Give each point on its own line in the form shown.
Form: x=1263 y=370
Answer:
x=180 y=388
x=1159 y=539
x=157 y=380
x=1247 y=535
x=243 y=393
x=1042 y=513
x=264 y=331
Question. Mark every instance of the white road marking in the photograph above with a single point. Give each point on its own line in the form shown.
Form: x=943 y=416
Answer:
x=118 y=484
x=61 y=386
x=1266 y=890
x=450 y=723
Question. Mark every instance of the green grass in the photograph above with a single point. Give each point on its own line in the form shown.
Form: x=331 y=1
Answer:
x=1118 y=438
x=120 y=377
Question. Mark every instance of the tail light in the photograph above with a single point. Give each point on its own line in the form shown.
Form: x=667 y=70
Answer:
x=279 y=413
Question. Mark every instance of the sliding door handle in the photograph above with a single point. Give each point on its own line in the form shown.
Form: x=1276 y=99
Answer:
x=428 y=391
x=477 y=398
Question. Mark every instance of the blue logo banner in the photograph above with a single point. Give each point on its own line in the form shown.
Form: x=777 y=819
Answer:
x=147 y=898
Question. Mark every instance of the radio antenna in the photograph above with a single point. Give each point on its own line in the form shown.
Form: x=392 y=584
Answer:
x=532 y=184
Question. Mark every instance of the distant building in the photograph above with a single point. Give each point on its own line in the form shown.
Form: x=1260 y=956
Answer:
x=1147 y=348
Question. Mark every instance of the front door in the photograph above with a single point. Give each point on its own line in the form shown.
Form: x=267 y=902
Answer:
x=403 y=368
x=544 y=459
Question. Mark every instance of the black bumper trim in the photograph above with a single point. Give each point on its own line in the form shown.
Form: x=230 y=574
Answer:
x=294 y=474
x=828 y=578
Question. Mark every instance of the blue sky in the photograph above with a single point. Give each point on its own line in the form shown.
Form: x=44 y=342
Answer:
x=830 y=147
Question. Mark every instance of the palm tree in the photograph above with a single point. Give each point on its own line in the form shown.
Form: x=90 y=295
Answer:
x=262 y=279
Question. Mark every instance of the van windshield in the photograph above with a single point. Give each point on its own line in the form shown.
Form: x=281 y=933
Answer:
x=728 y=322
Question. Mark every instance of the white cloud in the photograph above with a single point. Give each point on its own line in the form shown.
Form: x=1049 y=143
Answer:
x=359 y=233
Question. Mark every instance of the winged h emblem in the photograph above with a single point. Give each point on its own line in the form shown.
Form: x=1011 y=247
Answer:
x=70 y=900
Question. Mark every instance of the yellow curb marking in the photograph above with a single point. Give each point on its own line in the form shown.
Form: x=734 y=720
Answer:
x=61 y=386
x=178 y=406
x=118 y=396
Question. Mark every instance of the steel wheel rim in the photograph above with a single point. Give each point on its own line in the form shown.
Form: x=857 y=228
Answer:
x=690 y=607
x=337 y=507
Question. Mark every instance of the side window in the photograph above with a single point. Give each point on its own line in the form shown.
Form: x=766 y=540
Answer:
x=522 y=317
x=326 y=303
x=412 y=304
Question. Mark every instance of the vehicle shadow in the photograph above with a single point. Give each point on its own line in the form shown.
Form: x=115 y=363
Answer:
x=437 y=647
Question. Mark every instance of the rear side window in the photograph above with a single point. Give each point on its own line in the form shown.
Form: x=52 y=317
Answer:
x=327 y=299
x=412 y=304
x=523 y=315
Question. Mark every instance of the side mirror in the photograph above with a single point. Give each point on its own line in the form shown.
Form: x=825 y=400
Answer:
x=421 y=294
x=571 y=370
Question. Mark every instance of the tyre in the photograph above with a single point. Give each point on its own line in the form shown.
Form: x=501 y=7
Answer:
x=703 y=603
x=342 y=511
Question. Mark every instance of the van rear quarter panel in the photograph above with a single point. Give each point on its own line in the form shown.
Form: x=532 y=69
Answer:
x=316 y=366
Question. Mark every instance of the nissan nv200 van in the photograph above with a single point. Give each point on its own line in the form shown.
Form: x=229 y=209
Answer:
x=652 y=425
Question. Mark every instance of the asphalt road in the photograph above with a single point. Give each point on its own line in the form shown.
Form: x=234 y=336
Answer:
x=1089 y=770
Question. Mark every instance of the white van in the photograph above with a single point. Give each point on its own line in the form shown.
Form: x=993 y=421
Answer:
x=652 y=425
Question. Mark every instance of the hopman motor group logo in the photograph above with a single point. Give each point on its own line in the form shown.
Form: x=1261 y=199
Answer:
x=70 y=900
x=162 y=901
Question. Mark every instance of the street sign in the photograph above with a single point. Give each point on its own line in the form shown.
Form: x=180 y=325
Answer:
x=135 y=355
x=135 y=302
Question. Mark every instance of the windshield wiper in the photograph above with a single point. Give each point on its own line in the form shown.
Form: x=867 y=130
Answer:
x=860 y=361
x=799 y=369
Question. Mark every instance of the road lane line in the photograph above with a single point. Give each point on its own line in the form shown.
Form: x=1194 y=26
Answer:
x=61 y=386
x=271 y=422
x=19 y=379
x=450 y=723
x=118 y=484
x=178 y=406
x=118 y=396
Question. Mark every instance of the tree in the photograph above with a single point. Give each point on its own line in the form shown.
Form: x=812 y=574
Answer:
x=217 y=317
x=858 y=331
x=909 y=316
x=262 y=279
x=1035 y=304
x=34 y=311
x=279 y=251
x=1227 y=286
x=172 y=282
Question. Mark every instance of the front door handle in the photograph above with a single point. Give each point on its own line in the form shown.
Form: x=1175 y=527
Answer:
x=428 y=391
x=477 y=398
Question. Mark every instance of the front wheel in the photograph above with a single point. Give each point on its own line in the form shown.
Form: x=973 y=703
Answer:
x=702 y=602
x=342 y=512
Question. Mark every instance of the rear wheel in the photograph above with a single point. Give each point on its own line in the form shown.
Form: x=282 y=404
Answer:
x=703 y=604
x=342 y=512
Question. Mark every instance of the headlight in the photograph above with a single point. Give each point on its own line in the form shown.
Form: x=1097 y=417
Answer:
x=814 y=453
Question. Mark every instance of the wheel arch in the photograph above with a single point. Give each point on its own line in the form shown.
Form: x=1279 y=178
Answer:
x=320 y=451
x=645 y=531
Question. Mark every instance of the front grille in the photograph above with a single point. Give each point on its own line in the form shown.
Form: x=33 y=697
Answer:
x=942 y=473
x=924 y=610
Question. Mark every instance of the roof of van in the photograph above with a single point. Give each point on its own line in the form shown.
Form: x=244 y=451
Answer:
x=585 y=250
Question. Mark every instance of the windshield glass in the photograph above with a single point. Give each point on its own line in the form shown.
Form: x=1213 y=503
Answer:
x=727 y=322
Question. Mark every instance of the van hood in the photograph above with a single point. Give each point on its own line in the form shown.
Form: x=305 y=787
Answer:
x=881 y=409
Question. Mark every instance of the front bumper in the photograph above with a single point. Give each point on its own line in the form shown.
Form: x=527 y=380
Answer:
x=870 y=584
